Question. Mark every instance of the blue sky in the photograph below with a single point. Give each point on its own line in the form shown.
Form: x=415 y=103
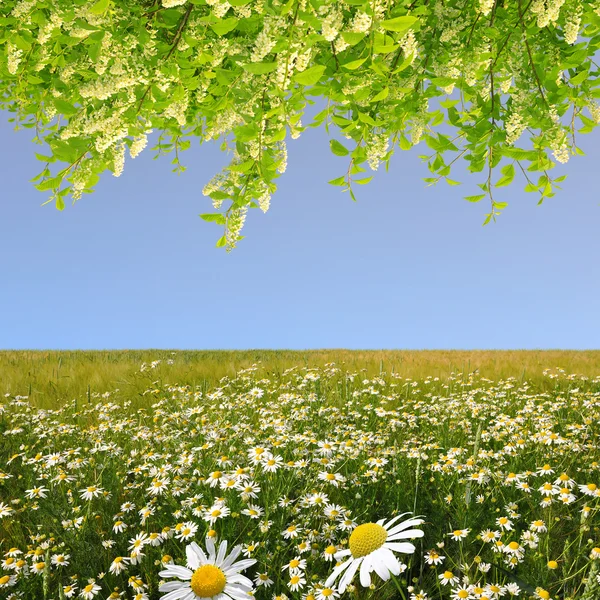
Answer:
x=406 y=267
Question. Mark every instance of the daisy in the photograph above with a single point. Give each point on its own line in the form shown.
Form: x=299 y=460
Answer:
x=89 y=591
x=327 y=593
x=263 y=579
x=91 y=492
x=210 y=576
x=187 y=531
x=370 y=548
x=296 y=582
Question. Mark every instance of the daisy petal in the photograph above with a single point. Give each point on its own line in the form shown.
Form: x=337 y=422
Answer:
x=193 y=561
x=172 y=585
x=341 y=553
x=379 y=567
x=177 y=594
x=390 y=561
x=201 y=554
x=365 y=576
x=222 y=552
x=176 y=571
x=403 y=535
x=241 y=565
x=337 y=571
x=348 y=575
x=210 y=546
x=405 y=547
x=391 y=521
x=405 y=525
x=231 y=558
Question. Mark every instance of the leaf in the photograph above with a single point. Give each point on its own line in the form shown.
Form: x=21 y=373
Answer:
x=399 y=24
x=99 y=7
x=404 y=143
x=214 y=218
x=383 y=94
x=354 y=64
x=60 y=203
x=351 y=37
x=222 y=241
x=531 y=187
x=363 y=181
x=509 y=174
x=310 y=76
x=476 y=198
x=225 y=25
x=66 y=108
x=338 y=149
x=338 y=181
x=260 y=68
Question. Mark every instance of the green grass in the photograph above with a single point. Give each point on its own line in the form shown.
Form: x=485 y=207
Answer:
x=467 y=452
x=48 y=377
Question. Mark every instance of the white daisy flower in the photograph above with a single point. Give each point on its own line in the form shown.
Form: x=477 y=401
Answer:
x=215 y=576
x=370 y=548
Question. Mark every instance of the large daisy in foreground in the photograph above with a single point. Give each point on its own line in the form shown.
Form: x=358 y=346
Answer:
x=370 y=548
x=213 y=576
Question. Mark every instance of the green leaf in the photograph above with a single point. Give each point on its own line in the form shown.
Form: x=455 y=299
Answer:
x=383 y=94
x=260 y=68
x=452 y=182
x=354 y=64
x=214 y=218
x=362 y=181
x=404 y=143
x=310 y=76
x=509 y=174
x=351 y=37
x=60 y=203
x=338 y=149
x=222 y=241
x=477 y=198
x=64 y=107
x=99 y=7
x=338 y=181
x=531 y=187
x=225 y=25
x=399 y=24
x=500 y=205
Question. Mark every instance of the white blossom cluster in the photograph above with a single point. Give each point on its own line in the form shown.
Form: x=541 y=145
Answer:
x=485 y=6
x=377 y=149
x=235 y=222
x=332 y=23
x=361 y=23
x=547 y=11
x=266 y=39
x=573 y=21
x=15 y=55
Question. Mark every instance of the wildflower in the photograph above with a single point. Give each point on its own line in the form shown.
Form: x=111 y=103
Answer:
x=118 y=565
x=188 y=531
x=90 y=492
x=327 y=593
x=37 y=492
x=69 y=590
x=60 y=560
x=90 y=590
x=295 y=566
x=448 y=577
x=263 y=579
x=215 y=575
x=370 y=548
x=459 y=534
x=297 y=582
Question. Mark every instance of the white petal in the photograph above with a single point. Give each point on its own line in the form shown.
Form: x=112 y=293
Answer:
x=176 y=571
x=172 y=585
x=342 y=553
x=405 y=547
x=222 y=552
x=193 y=560
x=404 y=535
x=379 y=566
x=239 y=580
x=337 y=571
x=405 y=525
x=210 y=546
x=365 y=577
x=390 y=561
x=392 y=521
x=348 y=575
x=241 y=565
x=235 y=593
x=231 y=558
x=380 y=522
x=177 y=594
x=201 y=554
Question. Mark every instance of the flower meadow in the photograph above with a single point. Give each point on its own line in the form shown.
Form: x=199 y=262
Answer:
x=276 y=488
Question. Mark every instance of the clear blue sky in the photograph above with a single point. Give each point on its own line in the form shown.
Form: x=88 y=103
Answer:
x=407 y=266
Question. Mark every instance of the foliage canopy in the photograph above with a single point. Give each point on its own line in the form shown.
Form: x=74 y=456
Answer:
x=94 y=78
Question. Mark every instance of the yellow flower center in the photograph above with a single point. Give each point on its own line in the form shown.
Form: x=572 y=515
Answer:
x=463 y=594
x=4 y=580
x=544 y=594
x=448 y=575
x=514 y=545
x=552 y=564
x=326 y=592
x=366 y=538
x=88 y=588
x=592 y=487
x=208 y=581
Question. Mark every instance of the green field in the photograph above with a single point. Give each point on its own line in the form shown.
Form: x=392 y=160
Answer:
x=111 y=464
